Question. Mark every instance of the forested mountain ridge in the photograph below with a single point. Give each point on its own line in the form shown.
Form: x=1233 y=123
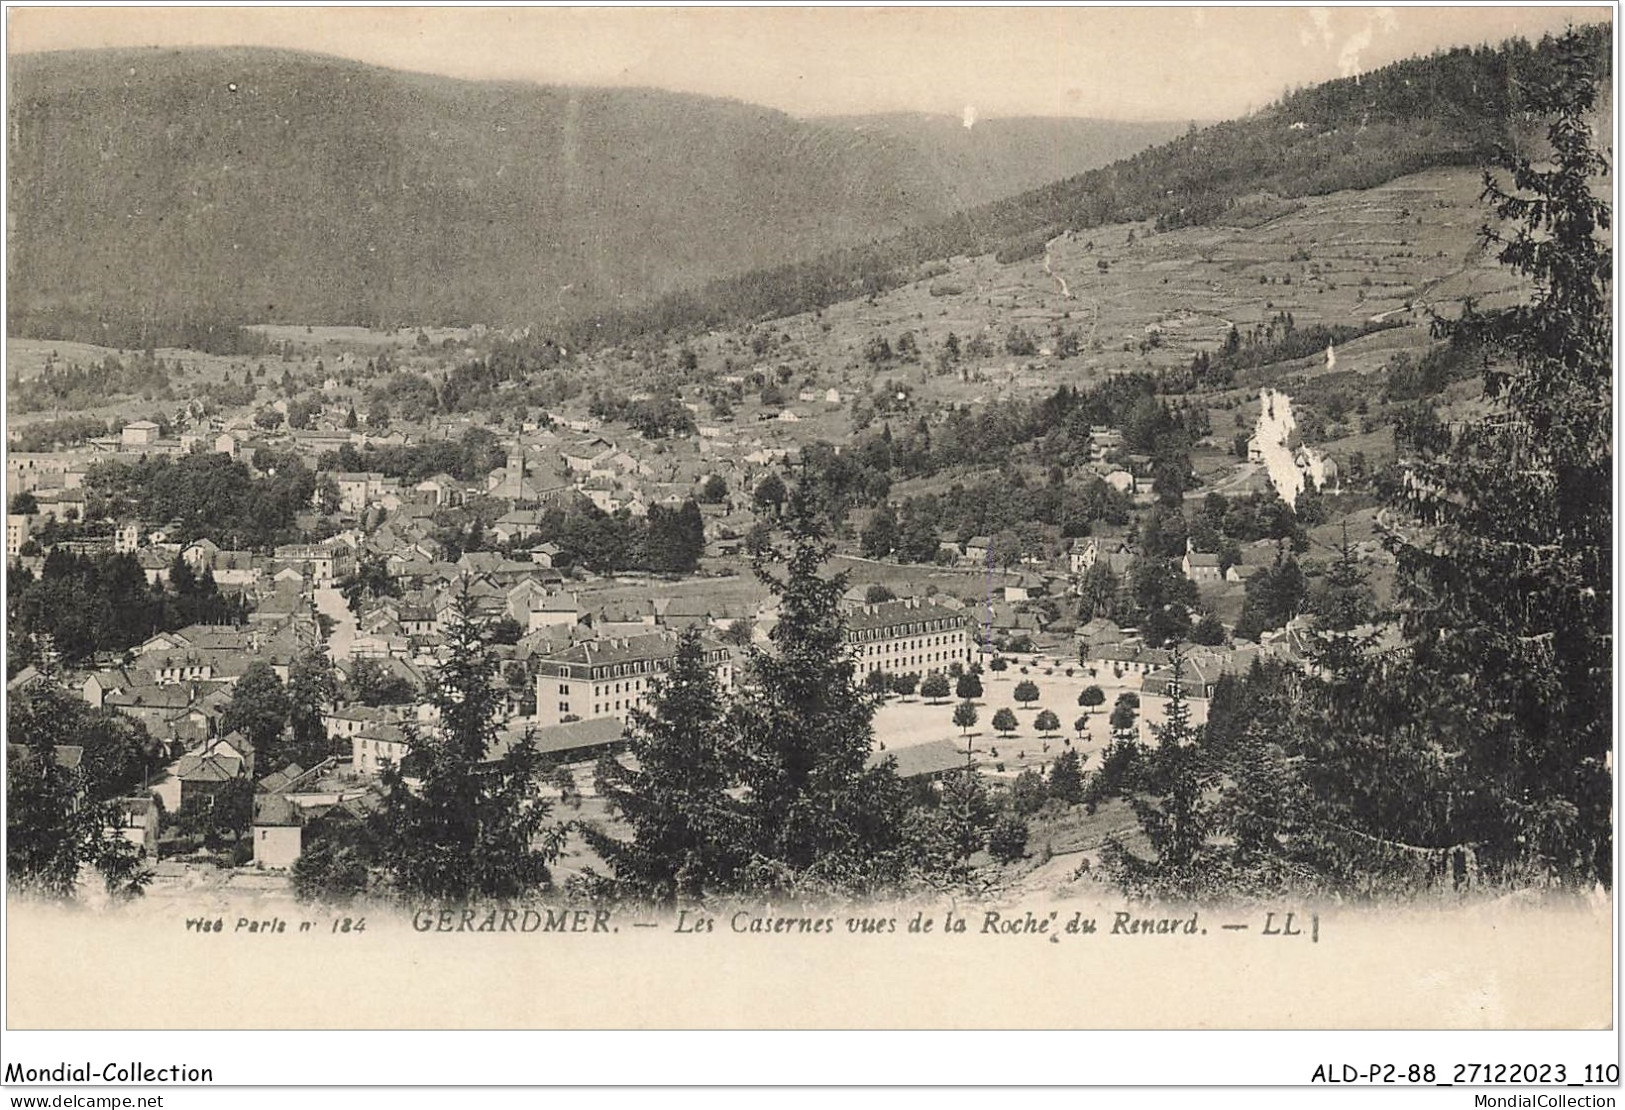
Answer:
x=309 y=189
x=996 y=158
x=1455 y=108
x=273 y=186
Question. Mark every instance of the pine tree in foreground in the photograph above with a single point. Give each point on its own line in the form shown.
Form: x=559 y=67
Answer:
x=1505 y=585
x=1172 y=808
x=687 y=830
x=815 y=812
x=473 y=827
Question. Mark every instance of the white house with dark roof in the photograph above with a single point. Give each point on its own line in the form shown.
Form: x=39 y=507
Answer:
x=1201 y=566
x=325 y=563
x=377 y=746
x=17 y=526
x=445 y=489
x=278 y=831
x=553 y=610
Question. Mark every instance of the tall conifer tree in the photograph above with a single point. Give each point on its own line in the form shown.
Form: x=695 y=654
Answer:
x=815 y=811
x=1505 y=586
x=687 y=832
x=470 y=828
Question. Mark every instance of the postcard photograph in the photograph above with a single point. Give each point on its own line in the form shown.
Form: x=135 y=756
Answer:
x=810 y=518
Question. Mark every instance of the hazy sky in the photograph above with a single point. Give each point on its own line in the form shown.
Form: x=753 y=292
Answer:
x=1134 y=63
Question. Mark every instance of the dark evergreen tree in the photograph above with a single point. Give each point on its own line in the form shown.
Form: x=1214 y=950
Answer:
x=182 y=579
x=1163 y=598
x=1209 y=630
x=1007 y=839
x=966 y=811
x=1505 y=585
x=476 y=827
x=1277 y=837
x=1066 y=777
x=815 y=812
x=1172 y=809
x=1341 y=604
x=675 y=539
x=330 y=868
x=881 y=533
x=688 y=834
x=1274 y=597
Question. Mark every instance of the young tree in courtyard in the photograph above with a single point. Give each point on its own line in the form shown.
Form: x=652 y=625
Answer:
x=1124 y=713
x=965 y=715
x=1004 y=720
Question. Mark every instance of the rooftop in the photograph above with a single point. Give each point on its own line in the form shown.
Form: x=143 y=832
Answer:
x=596 y=733
x=931 y=758
x=905 y=611
x=628 y=650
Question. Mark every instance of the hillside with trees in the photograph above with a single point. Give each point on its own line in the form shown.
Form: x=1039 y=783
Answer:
x=197 y=190
x=1476 y=749
x=1455 y=108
